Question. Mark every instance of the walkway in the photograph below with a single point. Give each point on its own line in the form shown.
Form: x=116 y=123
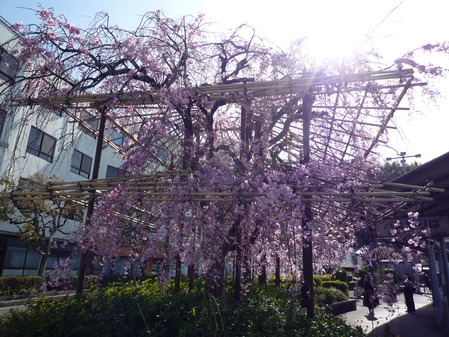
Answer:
x=418 y=324
x=19 y=303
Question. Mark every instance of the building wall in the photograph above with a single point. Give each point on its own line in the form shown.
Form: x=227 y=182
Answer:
x=17 y=162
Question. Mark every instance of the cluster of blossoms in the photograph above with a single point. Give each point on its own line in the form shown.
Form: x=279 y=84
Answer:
x=410 y=240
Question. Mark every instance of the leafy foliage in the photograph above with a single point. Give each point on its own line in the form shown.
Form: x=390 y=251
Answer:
x=326 y=296
x=341 y=275
x=319 y=279
x=144 y=309
x=342 y=286
x=10 y=285
x=391 y=170
x=39 y=220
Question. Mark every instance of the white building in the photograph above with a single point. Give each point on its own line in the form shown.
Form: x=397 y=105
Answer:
x=48 y=142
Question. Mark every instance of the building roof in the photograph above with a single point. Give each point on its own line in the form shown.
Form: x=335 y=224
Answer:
x=434 y=174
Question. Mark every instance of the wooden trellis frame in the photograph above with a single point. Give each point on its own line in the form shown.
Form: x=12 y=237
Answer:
x=320 y=147
x=307 y=138
x=154 y=188
x=319 y=86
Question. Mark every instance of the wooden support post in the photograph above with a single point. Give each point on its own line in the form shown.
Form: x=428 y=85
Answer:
x=307 y=251
x=238 y=264
x=87 y=257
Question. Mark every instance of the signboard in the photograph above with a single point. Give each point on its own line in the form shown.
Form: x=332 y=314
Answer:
x=439 y=225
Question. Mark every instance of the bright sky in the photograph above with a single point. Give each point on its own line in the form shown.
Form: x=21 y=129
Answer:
x=333 y=28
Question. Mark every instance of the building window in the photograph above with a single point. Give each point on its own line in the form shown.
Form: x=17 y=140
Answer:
x=8 y=65
x=112 y=172
x=2 y=120
x=117 y=137
x=81 y=164
x=41 y=144
x=91 y=121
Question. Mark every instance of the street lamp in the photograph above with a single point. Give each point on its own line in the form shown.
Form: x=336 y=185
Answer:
x=402 y=157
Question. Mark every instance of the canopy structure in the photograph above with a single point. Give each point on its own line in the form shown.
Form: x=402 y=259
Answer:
x=338 y=119
x=153 y=187
x=348 y=114
x=344 y=110
x=435 y=176
x=371 y=97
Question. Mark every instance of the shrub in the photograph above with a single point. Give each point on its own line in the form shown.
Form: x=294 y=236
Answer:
x=107 y=279
x=341 y=275
x=10 y=285
x=342 y=286
x=144 y=309
x=327 y=296
x=62 y=283
x=318 y=279
x=363 y=272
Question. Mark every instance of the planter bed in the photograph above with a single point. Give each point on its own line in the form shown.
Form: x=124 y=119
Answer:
x=344 y=306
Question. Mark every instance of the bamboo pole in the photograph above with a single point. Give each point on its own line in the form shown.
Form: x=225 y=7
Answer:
x=388 y=118
x=217 y=92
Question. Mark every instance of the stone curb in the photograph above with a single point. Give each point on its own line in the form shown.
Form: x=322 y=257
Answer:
x=21 y=299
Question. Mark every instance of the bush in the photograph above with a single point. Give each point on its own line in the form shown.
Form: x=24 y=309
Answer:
x=327 y=296
x=318 y=279
x=10 y=285
x=363 y=272
x=342 y=286
x=61 y=283
x=107 y=279
x=341 y=275
x=146 y=309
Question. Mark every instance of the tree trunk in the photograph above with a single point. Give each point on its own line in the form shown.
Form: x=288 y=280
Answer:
x=44 y=257
x=238 y=264
x=263 y=272
x=278 y=272
x=42 y=265
x=216 y=275
x=178 y=273
x=191 y=273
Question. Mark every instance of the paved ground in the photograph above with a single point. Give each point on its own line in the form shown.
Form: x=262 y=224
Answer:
x=6 y=306
x=418 y=324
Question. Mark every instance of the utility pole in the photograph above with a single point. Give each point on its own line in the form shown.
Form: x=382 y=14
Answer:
x=402 y=157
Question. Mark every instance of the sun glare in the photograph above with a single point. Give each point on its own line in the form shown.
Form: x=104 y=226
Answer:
x=333 y=41
x=332 y=29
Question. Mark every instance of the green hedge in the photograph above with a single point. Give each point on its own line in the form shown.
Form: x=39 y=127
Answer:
x=326 y=296
x=10 y=285
x=341 y=275
x=319 y=279
x=61 y=283
x=342 y=286
x=144 y=309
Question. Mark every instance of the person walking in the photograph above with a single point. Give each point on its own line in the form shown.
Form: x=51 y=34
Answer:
x=369 y=296
x=409 y=289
